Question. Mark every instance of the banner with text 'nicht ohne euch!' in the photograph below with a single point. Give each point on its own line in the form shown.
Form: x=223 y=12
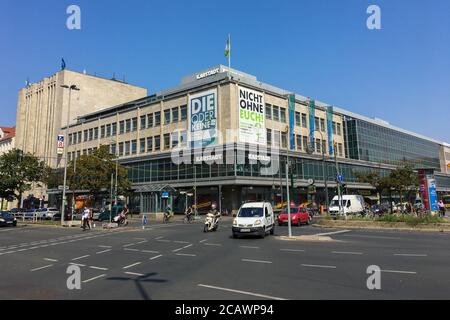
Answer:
x=252 y=128
x=203 y=118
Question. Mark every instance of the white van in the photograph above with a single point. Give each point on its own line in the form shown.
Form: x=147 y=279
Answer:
x=254 y=218
x=351 y=204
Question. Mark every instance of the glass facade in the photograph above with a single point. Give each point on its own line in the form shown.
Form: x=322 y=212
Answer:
x=376 y=143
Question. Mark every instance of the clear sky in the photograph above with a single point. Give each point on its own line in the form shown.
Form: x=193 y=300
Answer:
x=320 y=49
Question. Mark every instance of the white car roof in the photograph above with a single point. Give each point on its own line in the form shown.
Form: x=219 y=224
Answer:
x=254 y=204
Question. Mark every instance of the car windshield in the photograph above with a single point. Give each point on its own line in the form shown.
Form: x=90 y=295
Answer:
x=293 y=210
x=335 y=203
x=5 y=215
x=250 y=212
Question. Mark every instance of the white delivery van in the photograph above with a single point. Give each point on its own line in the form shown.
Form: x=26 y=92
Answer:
x=254 y=218
x=351 y=204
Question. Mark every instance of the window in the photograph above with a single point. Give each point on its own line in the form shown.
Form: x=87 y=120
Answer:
x=166 y=116
x=112 y=149
x=75 y=138
x=157 y=118
x=284 y=140
x=183 y=138
x=114 y=128
x=283 y=115
x=134 y=124
x=318 y=146
x=183 y=110
x=149 y=144
x=305 y=142
x=324 y=146
x=143 y=122
x=166 y=141
x=297 y=119
x=269 y=137
x=268 y=111
x=79 y=136
x=133 y=146
x=128 y=125
x=91 y=134
x=121 y=127
x=108 y=130
x=157 y=143
x=276 y=114
x=102 y=132
x=120 y=149
x=127 y=148
x=174 y=139
x=85 y=135
x=95 y=133
x=175 y=114
x=304 y=123
x=316 y=123
x=340 y=151
x=276 y=138
x=334 y=127
x=299 y=142
x=70 y=139
x=150 y=120
x=338 y=129
x=78 y=153
x=322 y=125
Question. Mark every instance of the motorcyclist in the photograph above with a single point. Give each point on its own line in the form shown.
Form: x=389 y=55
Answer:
x=214 y=212
x=168 y=213
x=188 y=213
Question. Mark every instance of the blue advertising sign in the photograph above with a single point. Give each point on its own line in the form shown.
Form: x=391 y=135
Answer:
x=433 y=195
x=203 y=118
x=312 y=108
x=164 y=194
x=291 y=121
x=330 y=129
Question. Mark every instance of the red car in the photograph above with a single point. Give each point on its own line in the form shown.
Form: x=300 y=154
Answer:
x=299 y=215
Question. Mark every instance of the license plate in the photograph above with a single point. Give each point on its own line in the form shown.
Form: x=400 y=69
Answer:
x=9 y=222
x=245 y=230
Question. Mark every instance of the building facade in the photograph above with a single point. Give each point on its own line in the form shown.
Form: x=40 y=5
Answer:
x=234 y=128
x=7 y=139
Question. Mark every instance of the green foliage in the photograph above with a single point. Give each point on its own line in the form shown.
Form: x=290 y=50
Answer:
x=18 y=171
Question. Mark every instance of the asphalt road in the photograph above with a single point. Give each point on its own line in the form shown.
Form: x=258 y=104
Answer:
x=179 y=261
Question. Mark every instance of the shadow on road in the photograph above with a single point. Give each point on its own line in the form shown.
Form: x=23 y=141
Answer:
x=138 y=280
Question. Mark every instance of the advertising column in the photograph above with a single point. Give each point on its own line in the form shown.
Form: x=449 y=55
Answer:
x=428 y=193
x=423 y=189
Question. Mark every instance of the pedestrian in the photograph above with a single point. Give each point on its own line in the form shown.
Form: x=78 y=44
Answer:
x=85 y=218
x=91 y=217
x=125 y=213
x=441 y=207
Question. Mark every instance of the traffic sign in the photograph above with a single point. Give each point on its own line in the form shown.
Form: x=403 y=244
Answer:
x=62 y=187
x=340 y=178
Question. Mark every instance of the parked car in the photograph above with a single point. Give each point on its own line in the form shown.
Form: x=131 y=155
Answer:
x=49 y=213
x=7 y=219
x=254 y=218
x=105 y=216
x=299 y=216
x=351 y=204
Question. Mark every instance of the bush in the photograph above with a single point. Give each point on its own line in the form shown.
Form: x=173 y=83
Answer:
x=411 y=220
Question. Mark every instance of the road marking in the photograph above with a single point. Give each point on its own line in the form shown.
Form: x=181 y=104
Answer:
x=249 y=247
x=318 y=266
x=135 y=274
x=98 y=268
x=331 y=233
x=176 y=250
x=242 y=292
x=129 y=245
x=373 y=237
x=212 y=244
x=103 y=251
x=203 y=240
x=77 y=264
x=143 y=241
x=20 y=250
x=130 y=249
x=40 y=268
x=139 y=239
x=410 y=254
x=293 y=250
x=163 y=240
x=91 y=279
x=186 y=254
x=159 y=238
x=399 y=271
x=149 y=251
x=78 y=258
x=257 y=261
x=132 y=265
x=347 y=252
x=105 y=246
x=181 y=242
x=51 y=260
x=155 y=257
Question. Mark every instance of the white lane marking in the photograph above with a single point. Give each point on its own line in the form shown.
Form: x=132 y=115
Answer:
x=78 y=258
x=257 y=261
x=399 y=271
x=293 y=250
x=248 y=247
x=203 y=240
x=212 y=244
x=77 y=264
x=155 y=257
x=135 y=274
x=103 y=251
x=51 y=260
x=372 y=237
x=40 y=268
x=130 y=249
x=181 y=242
x=143 y=241
x=159 y=237
x=149 y=251
x=162 y=240
x=410 y=254
x=98 y=268
x=20 y=250
x=94 y=278
x=129 y=245
x=186 y=254
x=318 y=266
x=176 y=250
x=132 y=265
x=331 y=233
x=242 y=292
x=105 y=246
x=347 y=252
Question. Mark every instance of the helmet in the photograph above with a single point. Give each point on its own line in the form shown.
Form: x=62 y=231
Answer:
x=213 y=205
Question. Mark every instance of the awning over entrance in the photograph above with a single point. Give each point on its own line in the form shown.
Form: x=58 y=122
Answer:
x=156 y=187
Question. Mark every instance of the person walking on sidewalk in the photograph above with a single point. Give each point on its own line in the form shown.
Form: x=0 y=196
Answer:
x=441 y=207
x=85 y=219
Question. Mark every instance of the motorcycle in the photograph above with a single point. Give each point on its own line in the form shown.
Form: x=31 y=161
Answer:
x=120 y=219
x=167 y=216
x=211 y=222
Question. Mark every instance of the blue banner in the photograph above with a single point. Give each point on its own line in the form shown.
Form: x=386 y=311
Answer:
x=292 y=121
x=330 y=129
x=433 y=194
x=312 y=108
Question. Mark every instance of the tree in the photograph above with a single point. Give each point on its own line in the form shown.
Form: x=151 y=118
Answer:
x=18 y=171
x=93 y=173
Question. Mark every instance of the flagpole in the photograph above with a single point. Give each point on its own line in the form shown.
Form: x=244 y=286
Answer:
x=229 y=54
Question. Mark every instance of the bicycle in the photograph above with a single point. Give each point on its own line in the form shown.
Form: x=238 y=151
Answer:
x=188 y=218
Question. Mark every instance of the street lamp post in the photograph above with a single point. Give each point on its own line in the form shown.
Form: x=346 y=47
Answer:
x=63 y=206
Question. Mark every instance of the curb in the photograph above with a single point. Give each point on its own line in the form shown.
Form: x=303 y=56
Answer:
x=383 y=228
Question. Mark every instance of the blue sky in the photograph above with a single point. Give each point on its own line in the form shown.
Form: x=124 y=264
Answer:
x=321 y=49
